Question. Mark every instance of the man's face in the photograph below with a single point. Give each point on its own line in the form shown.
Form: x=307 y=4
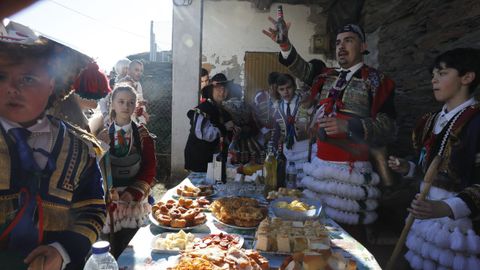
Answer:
x=136 y=72
x=204 y=81
x=24 y=91
x=219 y=93
x=349 y=49
x=286 y=91
x=446 y=84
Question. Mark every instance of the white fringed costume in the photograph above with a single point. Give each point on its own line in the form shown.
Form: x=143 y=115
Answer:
x=362 y=97
x=443 y=243
x=299 y=155
x=449 y=243
x=127 y=216
x=347 y=191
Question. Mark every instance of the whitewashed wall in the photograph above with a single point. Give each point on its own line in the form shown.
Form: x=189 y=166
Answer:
x=230 y=28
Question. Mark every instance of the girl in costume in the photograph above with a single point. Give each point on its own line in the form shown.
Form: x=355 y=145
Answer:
x=445 y=232
x=133 y=168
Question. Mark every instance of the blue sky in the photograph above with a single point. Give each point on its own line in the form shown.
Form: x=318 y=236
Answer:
x=106 y=30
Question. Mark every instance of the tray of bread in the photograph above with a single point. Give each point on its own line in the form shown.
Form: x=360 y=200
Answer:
x=218 y=259
x=284 y=237
x=190 y=191
x=173 y=215
x=239 y=212
x=181 y=241
x=327 y=261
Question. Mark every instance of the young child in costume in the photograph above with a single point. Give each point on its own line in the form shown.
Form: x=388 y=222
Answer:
x=292 y=120
x=133 y=166
x=445 y=233
x=51 y=191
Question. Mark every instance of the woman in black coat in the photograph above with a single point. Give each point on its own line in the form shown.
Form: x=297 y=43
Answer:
x=209 y=121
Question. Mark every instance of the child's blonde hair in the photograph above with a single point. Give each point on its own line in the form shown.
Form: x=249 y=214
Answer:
x=119 y=89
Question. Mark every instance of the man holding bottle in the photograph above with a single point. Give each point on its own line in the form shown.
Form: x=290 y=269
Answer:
x=355 y=113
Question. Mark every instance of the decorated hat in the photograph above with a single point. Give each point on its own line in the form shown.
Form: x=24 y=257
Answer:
x=92 y=83
x=354 y=28
x=218 y=78
x=19 y=42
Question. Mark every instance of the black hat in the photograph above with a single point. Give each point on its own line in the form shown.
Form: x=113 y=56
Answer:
x=218 y=78
x=354 y=28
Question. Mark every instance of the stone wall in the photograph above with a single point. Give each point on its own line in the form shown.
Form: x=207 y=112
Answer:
x=410 y=34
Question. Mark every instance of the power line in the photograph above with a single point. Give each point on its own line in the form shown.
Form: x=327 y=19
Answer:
x=96 y=20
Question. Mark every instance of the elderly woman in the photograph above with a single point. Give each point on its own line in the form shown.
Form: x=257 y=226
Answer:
x=209 y=121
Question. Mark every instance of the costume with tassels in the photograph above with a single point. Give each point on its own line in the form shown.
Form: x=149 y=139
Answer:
x=341 y=175
x=444 y=243
x=293 y=129
x=133 y=169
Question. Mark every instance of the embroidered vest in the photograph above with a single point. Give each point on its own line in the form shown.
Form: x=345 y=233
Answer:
x=355 y=96
x=124 y=169
x=72 y=156
x=301 y=116
x=449 y=176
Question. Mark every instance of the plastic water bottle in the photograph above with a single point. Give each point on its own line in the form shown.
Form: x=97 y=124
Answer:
x=101 y=258
x=291 y=175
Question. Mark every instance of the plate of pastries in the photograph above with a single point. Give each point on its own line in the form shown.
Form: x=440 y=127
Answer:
x=217 y=259
x=238 y=212
x=190 y=191
x=184 y=214
x=175 y=242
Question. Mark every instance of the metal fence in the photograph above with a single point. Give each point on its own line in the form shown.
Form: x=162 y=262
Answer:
x=157 y=90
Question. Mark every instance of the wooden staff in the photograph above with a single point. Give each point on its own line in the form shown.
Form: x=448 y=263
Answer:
x=431 y=173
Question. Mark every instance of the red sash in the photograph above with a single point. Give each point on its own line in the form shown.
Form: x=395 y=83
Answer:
x=341 y=148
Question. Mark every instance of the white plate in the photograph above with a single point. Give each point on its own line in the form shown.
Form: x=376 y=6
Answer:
x=241 y=240
x=156 y=223
x=233 y=226
x=169 y=251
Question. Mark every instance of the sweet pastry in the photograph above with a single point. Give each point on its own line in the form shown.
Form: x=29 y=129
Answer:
x=174 y=213
x=189 y=215
x=178 y=223
x=239 y=211
x=164 y=220
x=199 y=219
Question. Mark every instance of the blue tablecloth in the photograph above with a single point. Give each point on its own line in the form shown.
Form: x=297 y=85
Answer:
x=139 y=255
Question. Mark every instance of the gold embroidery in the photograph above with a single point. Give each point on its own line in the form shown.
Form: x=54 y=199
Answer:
x=56 y=217
x=6 y=211
x=87 y=203
x=61 y=163
x=4 y=164
x=71 y=167
x=83 y=162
